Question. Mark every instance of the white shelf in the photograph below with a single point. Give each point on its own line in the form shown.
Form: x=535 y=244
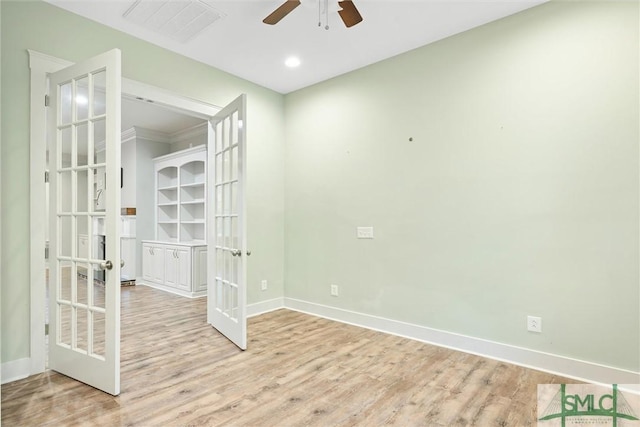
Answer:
x=192 y=184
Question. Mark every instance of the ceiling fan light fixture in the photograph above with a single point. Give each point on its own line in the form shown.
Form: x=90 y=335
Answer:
x=292 y=62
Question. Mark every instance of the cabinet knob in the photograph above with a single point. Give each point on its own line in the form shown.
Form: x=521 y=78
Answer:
x=248 y=253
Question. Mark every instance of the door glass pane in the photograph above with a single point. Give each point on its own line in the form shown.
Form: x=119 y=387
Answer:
x=98 y=203
x=82 y=293
x=234 y=128
x=64 y=192
x=218 y=201
x=233 y=202
x=64 y=288
x=218 y=298
x=64 y=158
x=234 y=302
x=227 y=233
x=82 y=228
x=218 y=131
x=82 y=196
x=99 y=96
x=227 y=265
x=81 y=329
x=234 y=232
x=98 y=324
x=64 y=324
x=65 y=236
x=226 y=162
x=83 y=272
x=65 y=103
x=98 y=291
x=82 y=140
x=226 y=202
x=99 y=135
x=82 y=98
x=219 y=266
x=233 y=166
x=225 y=133
x=219 y=167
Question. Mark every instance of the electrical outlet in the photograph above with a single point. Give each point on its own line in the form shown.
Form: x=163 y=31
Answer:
x=364 y=232
x=334 y=290
x=263 y=285
x=534 y=324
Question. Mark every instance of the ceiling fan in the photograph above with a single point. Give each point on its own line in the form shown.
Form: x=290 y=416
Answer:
x=348 y=12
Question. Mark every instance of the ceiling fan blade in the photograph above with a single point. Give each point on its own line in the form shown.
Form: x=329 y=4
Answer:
x=349 y=14
x=284 y=9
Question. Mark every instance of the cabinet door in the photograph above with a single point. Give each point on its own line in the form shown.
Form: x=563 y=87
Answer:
x=157 y=256
x=183 y=260
x=199 y=278
x=147 y=262
x=177 y=264
x=170 y=267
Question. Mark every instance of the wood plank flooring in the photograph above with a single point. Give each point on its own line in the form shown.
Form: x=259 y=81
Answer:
x=299 y=370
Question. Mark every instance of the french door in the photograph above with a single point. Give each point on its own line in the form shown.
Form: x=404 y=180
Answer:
x=226 y=224
x=84 y=299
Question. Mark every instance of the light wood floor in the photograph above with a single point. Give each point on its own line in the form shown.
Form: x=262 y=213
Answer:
x=298 y=370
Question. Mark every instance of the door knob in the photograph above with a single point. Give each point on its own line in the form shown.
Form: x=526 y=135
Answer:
x=106 y=265
x=236 y=252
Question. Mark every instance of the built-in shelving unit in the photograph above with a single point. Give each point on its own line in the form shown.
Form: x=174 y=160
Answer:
x=181 y=196
x=176 y=260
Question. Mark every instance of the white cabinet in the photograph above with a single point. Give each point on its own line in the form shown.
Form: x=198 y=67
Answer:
x=175 y=267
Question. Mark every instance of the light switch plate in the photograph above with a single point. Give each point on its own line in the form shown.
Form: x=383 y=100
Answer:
x=365 y=232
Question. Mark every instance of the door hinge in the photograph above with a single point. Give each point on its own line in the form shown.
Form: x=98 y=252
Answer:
x=46 y=100
x=46 y=329
x=46 y=176
x=46 y=252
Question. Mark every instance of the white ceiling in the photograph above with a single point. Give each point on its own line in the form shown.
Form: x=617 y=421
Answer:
x=242 y=45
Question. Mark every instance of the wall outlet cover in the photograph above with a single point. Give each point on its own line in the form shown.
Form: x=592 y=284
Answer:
x=364 y=232
x=534 y=324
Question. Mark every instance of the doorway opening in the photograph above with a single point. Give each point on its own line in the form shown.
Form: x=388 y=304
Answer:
x=148 y=130
x=41 y=65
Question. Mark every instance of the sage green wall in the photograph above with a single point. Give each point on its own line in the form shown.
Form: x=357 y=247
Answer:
x=517 y=196
x=45 y=28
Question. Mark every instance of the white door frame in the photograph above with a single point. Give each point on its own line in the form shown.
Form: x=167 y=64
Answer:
x=40 y=65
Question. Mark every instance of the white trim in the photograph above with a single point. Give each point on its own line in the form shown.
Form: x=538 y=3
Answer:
x=559 y=365
x=262 y=307
x=138 y=132
x=15 y=370
x=196 y=130
x=40 y=65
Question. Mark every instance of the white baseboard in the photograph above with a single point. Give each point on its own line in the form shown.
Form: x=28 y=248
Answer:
x=15 y=370
x=169 y=289
x=564 y=366
x=263 y=307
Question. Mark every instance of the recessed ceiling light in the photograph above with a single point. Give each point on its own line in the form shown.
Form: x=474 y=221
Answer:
x=292 y=62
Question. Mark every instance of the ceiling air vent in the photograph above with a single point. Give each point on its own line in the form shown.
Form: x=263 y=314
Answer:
x=180 y=20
